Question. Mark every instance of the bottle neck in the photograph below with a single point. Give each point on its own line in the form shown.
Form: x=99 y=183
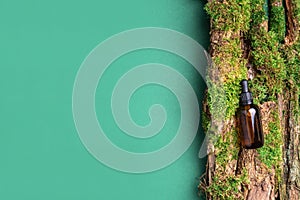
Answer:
x=246 y=98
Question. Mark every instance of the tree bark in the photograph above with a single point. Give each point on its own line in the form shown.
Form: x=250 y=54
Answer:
x=262 y=182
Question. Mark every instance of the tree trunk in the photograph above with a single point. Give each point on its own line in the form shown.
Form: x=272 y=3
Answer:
x=259 y=41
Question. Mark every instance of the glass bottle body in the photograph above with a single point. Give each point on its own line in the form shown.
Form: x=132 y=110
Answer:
x=251 y=133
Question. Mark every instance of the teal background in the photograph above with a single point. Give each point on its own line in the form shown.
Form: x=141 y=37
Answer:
x=42 y=45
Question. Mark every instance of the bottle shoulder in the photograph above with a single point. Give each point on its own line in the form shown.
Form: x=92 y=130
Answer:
x=254 y=106
x=248 y=107
x=251 y=109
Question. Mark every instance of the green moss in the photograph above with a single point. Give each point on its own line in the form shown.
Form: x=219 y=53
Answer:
x=224 y=99
x=226 y=186
x=227 y=148
x=231 y=71
x=216 y=100
x=259 y=90
x=269 y=63
x=232 y=89
x=223 y=102
x=277 y=19
x=297 y=10
x=205 y=121
x=227 y=189
x=265 y=55
x=271 y=153
x=229 y=15
x=233 y=17
x=258 y=13
x=291 y=55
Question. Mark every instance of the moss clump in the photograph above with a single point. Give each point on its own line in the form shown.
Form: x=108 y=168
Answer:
x=227 y=185
x=297 y=10
x=268 y=62
x=233 y=69
x=233 y=90
x=291 y=55
x=258 y=13
x=227 y=148
x=229 y=15
x=227 y=189
x=216 y=100
x=271 y=153
x=205 y=121
x=265 y=54
x=277 y=19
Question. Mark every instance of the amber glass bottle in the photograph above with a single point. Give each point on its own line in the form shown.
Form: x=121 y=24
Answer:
x=251 y=132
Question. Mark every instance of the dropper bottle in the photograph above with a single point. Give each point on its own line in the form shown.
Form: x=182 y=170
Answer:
x=251 y=132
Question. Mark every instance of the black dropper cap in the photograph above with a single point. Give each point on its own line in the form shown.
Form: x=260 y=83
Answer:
x=246 y=96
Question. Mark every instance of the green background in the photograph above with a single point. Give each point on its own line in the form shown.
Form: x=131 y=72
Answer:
x=42 y=45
